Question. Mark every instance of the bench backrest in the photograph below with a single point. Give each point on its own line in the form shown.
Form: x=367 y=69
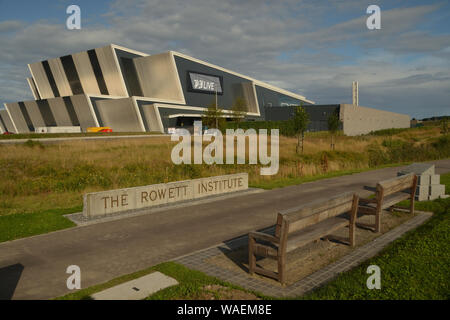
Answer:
x=397 y=184
x=298 y=218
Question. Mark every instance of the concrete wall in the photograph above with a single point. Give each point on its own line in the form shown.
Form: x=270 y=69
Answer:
x=7 y=121
x=158 y=77
x=34 y=113
x=120 y=114
x=112 y=201
x=85 y=114
x=18 y=118
x=361 y=120
x=59 y=110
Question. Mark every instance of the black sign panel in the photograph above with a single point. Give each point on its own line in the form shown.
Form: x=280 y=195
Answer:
x=205 y=83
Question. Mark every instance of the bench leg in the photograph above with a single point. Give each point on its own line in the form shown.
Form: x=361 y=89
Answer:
x=282 y=269
x=352 y=225
x=251 y=255
x=378 y=222
x=351 y=236
x=413 y=195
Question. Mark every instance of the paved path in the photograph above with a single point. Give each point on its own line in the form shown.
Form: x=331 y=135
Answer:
x=111 y=249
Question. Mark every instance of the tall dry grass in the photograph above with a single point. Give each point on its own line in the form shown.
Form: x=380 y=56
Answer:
x=37 y=177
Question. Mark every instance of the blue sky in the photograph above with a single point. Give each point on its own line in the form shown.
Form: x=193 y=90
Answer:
x=313 y=47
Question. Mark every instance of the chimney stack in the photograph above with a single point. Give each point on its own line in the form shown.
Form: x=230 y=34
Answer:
x=355 y=94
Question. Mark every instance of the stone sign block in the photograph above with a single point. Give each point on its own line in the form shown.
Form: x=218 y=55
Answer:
x=422 y=190
x=435 y=179
x=424 y=180
x=108 y=202
x=436 y=191
x=419 y=169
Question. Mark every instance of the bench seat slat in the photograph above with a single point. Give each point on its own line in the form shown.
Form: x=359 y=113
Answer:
x=314 y=232
x=388 y=201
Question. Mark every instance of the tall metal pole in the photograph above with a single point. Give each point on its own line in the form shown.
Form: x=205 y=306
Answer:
x=217 y=119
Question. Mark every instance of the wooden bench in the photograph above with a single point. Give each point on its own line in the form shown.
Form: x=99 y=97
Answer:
x=387 y=194
x=299 y=226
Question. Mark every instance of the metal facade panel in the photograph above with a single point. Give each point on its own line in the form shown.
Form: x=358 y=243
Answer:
x=249 y=94
x=17 y=117
x=110 y=69
x=150 y=117
x=35 y=114
x=158 y=77
x=2 y=127
x=41 y=80
x=7 y=121
x=120 y=114
x=84 y=112
x=86 y=73
x=33 y=88
x=59 y=110
x=60 y=77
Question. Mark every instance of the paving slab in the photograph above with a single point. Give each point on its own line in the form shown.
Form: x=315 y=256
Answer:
x=137 y=289
x=199 y=261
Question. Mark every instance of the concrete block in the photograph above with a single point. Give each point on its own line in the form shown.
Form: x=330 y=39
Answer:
x=435 y=179
x=423 y=190
x=108 y=202
x=436 y=191
x=137 y=289
x=423 y=180
x=419 y=169
x=219 y=185
x=422 y=197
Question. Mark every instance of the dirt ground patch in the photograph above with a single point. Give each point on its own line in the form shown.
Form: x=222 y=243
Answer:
x=312 y=257
x=218 y=292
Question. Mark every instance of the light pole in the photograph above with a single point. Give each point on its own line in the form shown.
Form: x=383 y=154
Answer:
x=217 y=115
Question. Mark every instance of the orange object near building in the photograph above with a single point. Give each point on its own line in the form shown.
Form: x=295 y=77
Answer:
x=99 y=129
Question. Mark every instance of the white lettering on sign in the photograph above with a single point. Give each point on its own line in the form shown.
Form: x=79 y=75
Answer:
x=112 y=201
x=204 y=85
x=203 y=82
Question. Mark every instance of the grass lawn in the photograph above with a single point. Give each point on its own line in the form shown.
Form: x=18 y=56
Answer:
x=416 y=266
x=191 y=284
x=23 y=225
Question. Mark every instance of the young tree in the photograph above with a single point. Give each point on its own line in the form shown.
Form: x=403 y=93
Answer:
x=444 y=125
x=213 y=117
x=239 y=108
x=333 y=126
x=300 y=123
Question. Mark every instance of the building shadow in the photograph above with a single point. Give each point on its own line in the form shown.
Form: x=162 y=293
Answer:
x=9 y=278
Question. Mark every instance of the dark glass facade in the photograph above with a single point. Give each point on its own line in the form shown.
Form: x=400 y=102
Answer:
x=72 y=74
x=46 y=113
x=50 y=78
x=98 y=72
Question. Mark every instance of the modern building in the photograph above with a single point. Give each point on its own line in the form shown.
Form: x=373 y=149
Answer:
x=131 y=91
